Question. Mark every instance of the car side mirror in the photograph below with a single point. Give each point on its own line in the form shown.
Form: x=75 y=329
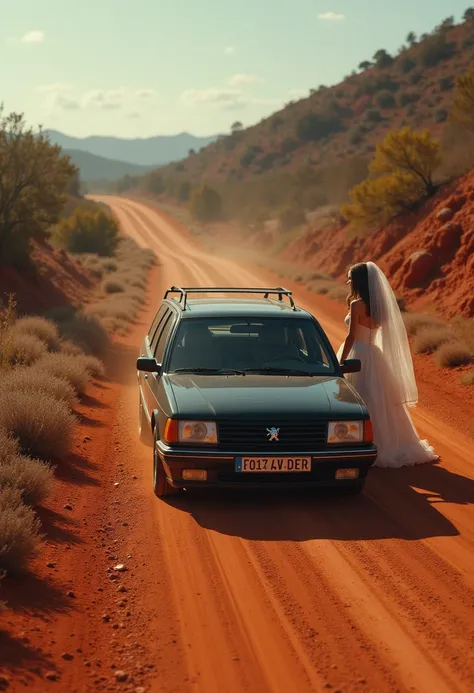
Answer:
x=148 y=365
x=351 y=366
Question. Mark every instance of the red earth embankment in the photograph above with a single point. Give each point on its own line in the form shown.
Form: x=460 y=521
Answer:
x=428 y=256
x=52 y=279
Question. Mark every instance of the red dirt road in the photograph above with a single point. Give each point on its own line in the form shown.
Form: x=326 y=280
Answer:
x=245 y=593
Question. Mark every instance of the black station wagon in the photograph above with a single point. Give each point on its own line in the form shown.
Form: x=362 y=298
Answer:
x=241 y=392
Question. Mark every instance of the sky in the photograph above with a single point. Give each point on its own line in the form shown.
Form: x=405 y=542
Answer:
x=137 y=68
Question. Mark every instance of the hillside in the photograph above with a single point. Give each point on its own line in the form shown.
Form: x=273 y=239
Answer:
x=92 y=167
x=428 y=255
x=337 y=127
x=151 y=151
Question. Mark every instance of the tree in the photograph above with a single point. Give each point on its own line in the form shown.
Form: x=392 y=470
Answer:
x=462 y=110
x=206 y=203
x=382 y=59
x=446 y=25
x=365 y=65
x=435 y=49
x=315 y=126
x=87 y=231
x=404 y=164
x=154 y=183
x=406 y=151
x=34 y=175
x=469 y=15
x=237 y=126
x=411 y=38
x=191 y=152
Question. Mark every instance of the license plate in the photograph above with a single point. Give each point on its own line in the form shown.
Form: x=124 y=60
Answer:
x=273 y=464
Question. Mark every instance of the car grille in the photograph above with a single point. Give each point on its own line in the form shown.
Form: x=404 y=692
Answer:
x=252 y=436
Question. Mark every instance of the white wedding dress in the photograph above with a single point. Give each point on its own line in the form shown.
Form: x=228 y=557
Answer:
x=395 y=436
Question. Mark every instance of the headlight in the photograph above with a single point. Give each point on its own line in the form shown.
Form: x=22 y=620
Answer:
x=197 y=432
x=345 y=432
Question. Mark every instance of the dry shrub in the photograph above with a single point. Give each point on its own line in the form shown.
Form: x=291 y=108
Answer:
x=69 y=348
x=19 y=531
x=42 y=424
x=32 y=478
x=118 y=307
x=468 y=378
x=43 y=329
x=71 y=368
x=25 y=349
x=414 y=322
x=93 y=366
x=453 y=355
x=116 y=326
x=338 y=293
x=86 y=332
x=464 y=328
x=429 y=339
x=321 y=286
x=132 y=279
x=32 y=380
x=113 y=286
x=8 y=445
x=109 y=265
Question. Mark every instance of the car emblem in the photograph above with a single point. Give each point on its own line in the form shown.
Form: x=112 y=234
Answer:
x=273 y=433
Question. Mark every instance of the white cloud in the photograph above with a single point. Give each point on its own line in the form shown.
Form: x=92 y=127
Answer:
x=228 y=99
x=52 y=88
x=229 y=50
x=66 y=103
x=107 y=100
x=331 y=16
x=145 y=94
x=236 y=80
x=33 y=37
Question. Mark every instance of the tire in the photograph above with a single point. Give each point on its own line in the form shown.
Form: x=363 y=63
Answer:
x=161 y=487
x=144 y=427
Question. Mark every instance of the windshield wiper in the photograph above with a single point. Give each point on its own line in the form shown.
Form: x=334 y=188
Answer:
x=209 y=371
x=279 y=371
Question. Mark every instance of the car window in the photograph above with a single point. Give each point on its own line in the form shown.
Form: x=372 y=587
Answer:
x=163 y=337
x=157 y=320
x=241 y=344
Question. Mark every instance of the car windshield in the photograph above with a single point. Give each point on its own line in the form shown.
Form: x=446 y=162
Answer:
x=290 y=346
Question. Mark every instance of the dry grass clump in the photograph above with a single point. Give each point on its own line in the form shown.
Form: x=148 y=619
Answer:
x=69 y=348
x=32 y=478
x=414 y=322
x=93 y=366
x=8 y=445
x=453 y=355
x=39 y=327
x=113 y=286
x=42 y=425
x=24 y=349
x=33 y=380
x=428 y=339
x=130 y=254
x=338 y=293
x=71 y=368
x=468 y=378
x=86 y=332
x=118 y=307
x=19 y=531
x=464 y=328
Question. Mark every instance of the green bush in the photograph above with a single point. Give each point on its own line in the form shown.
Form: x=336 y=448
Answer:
x=407 y=65
x=415 y=78
x=385 y=99
x=435 y=49
x=441 y=115
x=405 y=97
x=87 y=231
x=373 y=116
x=206 y=204
x=446 y=83
x=314 y=126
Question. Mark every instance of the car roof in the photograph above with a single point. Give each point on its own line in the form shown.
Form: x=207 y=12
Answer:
x=216 y=307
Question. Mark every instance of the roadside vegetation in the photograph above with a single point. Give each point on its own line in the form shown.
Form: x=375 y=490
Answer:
x=47 y=361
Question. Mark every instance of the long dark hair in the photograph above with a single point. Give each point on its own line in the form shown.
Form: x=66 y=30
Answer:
x=359 y=276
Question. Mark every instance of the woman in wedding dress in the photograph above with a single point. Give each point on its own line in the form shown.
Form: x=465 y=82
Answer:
x=386 y=382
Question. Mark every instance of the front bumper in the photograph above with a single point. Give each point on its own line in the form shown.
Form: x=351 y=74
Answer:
x=221 y=472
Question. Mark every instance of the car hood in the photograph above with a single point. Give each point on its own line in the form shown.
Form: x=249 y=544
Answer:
x=215 y=397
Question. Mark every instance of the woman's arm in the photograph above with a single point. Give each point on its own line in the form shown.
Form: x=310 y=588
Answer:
x=350 y=339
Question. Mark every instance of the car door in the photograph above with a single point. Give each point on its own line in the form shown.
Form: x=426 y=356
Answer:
x=157 y=348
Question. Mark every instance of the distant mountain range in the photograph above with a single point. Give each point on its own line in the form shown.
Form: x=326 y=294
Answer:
x=107 y=154
x=98 y=168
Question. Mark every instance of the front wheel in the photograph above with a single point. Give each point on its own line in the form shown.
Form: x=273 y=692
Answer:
x=161 y=487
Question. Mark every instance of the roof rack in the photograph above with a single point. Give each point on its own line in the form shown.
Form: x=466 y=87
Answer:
x=184 y=291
